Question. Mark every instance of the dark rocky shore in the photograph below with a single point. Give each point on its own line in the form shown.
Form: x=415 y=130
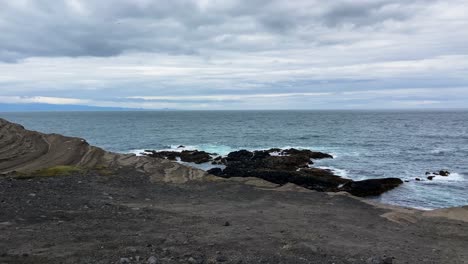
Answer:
x=64 y=201
x=281 y=166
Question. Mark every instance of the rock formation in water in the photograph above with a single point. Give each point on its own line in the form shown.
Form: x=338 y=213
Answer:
x=293 y=166
x=25 y=151
x=282 y=167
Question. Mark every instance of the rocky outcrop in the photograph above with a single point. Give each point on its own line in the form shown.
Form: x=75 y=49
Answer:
x=293 y=166
x=193 y=156
x=444 y=173
x=23 y=151
x=289 y=159
x=371 y=187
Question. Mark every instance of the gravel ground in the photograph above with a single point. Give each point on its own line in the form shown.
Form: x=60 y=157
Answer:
x=125 y=218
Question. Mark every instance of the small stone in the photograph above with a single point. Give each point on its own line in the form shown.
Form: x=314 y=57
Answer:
x=32 y=194
x=371 y=260
x=124 y=260
x=417 y=179
x=221 y=258
x=388 y=260
x=193 y=260
x=131 y=249
x=227 y=223
x=152 y=260
x=430 y=177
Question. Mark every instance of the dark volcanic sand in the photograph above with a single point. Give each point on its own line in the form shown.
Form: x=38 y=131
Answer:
x=114 y=219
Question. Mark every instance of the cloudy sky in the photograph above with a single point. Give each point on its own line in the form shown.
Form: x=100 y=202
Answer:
x=230 y=54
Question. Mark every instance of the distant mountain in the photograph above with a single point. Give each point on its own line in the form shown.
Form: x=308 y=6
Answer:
x=50 y=107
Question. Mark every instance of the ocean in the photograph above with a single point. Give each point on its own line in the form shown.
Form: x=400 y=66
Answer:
x=365 y=144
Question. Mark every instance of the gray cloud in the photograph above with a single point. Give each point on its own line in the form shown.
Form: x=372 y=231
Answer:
x=109 y=28
x=115 y=52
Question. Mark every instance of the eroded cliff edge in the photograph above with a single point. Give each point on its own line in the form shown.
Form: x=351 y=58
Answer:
x=26 y=151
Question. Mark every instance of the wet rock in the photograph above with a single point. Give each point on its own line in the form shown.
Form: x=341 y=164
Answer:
x=215 y=171
x=444 y=173
x=307 y=153
x=241 y=155
x=311 y=178
x=218 y=161
x=170 y=155
x=371 y=187
x=195 y=156
x=430 y=177
x=417 y=179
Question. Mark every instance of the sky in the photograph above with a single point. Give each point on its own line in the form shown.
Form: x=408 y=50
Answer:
x=231 y=54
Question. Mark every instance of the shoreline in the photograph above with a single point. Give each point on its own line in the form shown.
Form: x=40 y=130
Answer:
x=64 y=201
x=139 y=161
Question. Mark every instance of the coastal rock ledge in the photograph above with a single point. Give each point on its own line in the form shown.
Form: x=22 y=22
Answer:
x=281 y=166
x=23 y=152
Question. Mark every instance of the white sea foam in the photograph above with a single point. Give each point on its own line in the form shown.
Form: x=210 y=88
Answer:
x=340 y=172
x=135 y=151
x=439 y=151
x=454 y=176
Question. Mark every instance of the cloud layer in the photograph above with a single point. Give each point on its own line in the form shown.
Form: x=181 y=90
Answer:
x=236 y=54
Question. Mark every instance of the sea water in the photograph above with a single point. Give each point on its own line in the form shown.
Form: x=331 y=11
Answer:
x=365 y=144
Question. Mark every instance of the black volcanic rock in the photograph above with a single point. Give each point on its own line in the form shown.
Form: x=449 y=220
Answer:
x=195 y=156
x=240 y=155
x=290 y=159
x=289 y=166
x=170 y=155
x=371 y=187
x=285 y=166
x=315 y=179
x=215 y=171
x=444 y=173
x=307 y=153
